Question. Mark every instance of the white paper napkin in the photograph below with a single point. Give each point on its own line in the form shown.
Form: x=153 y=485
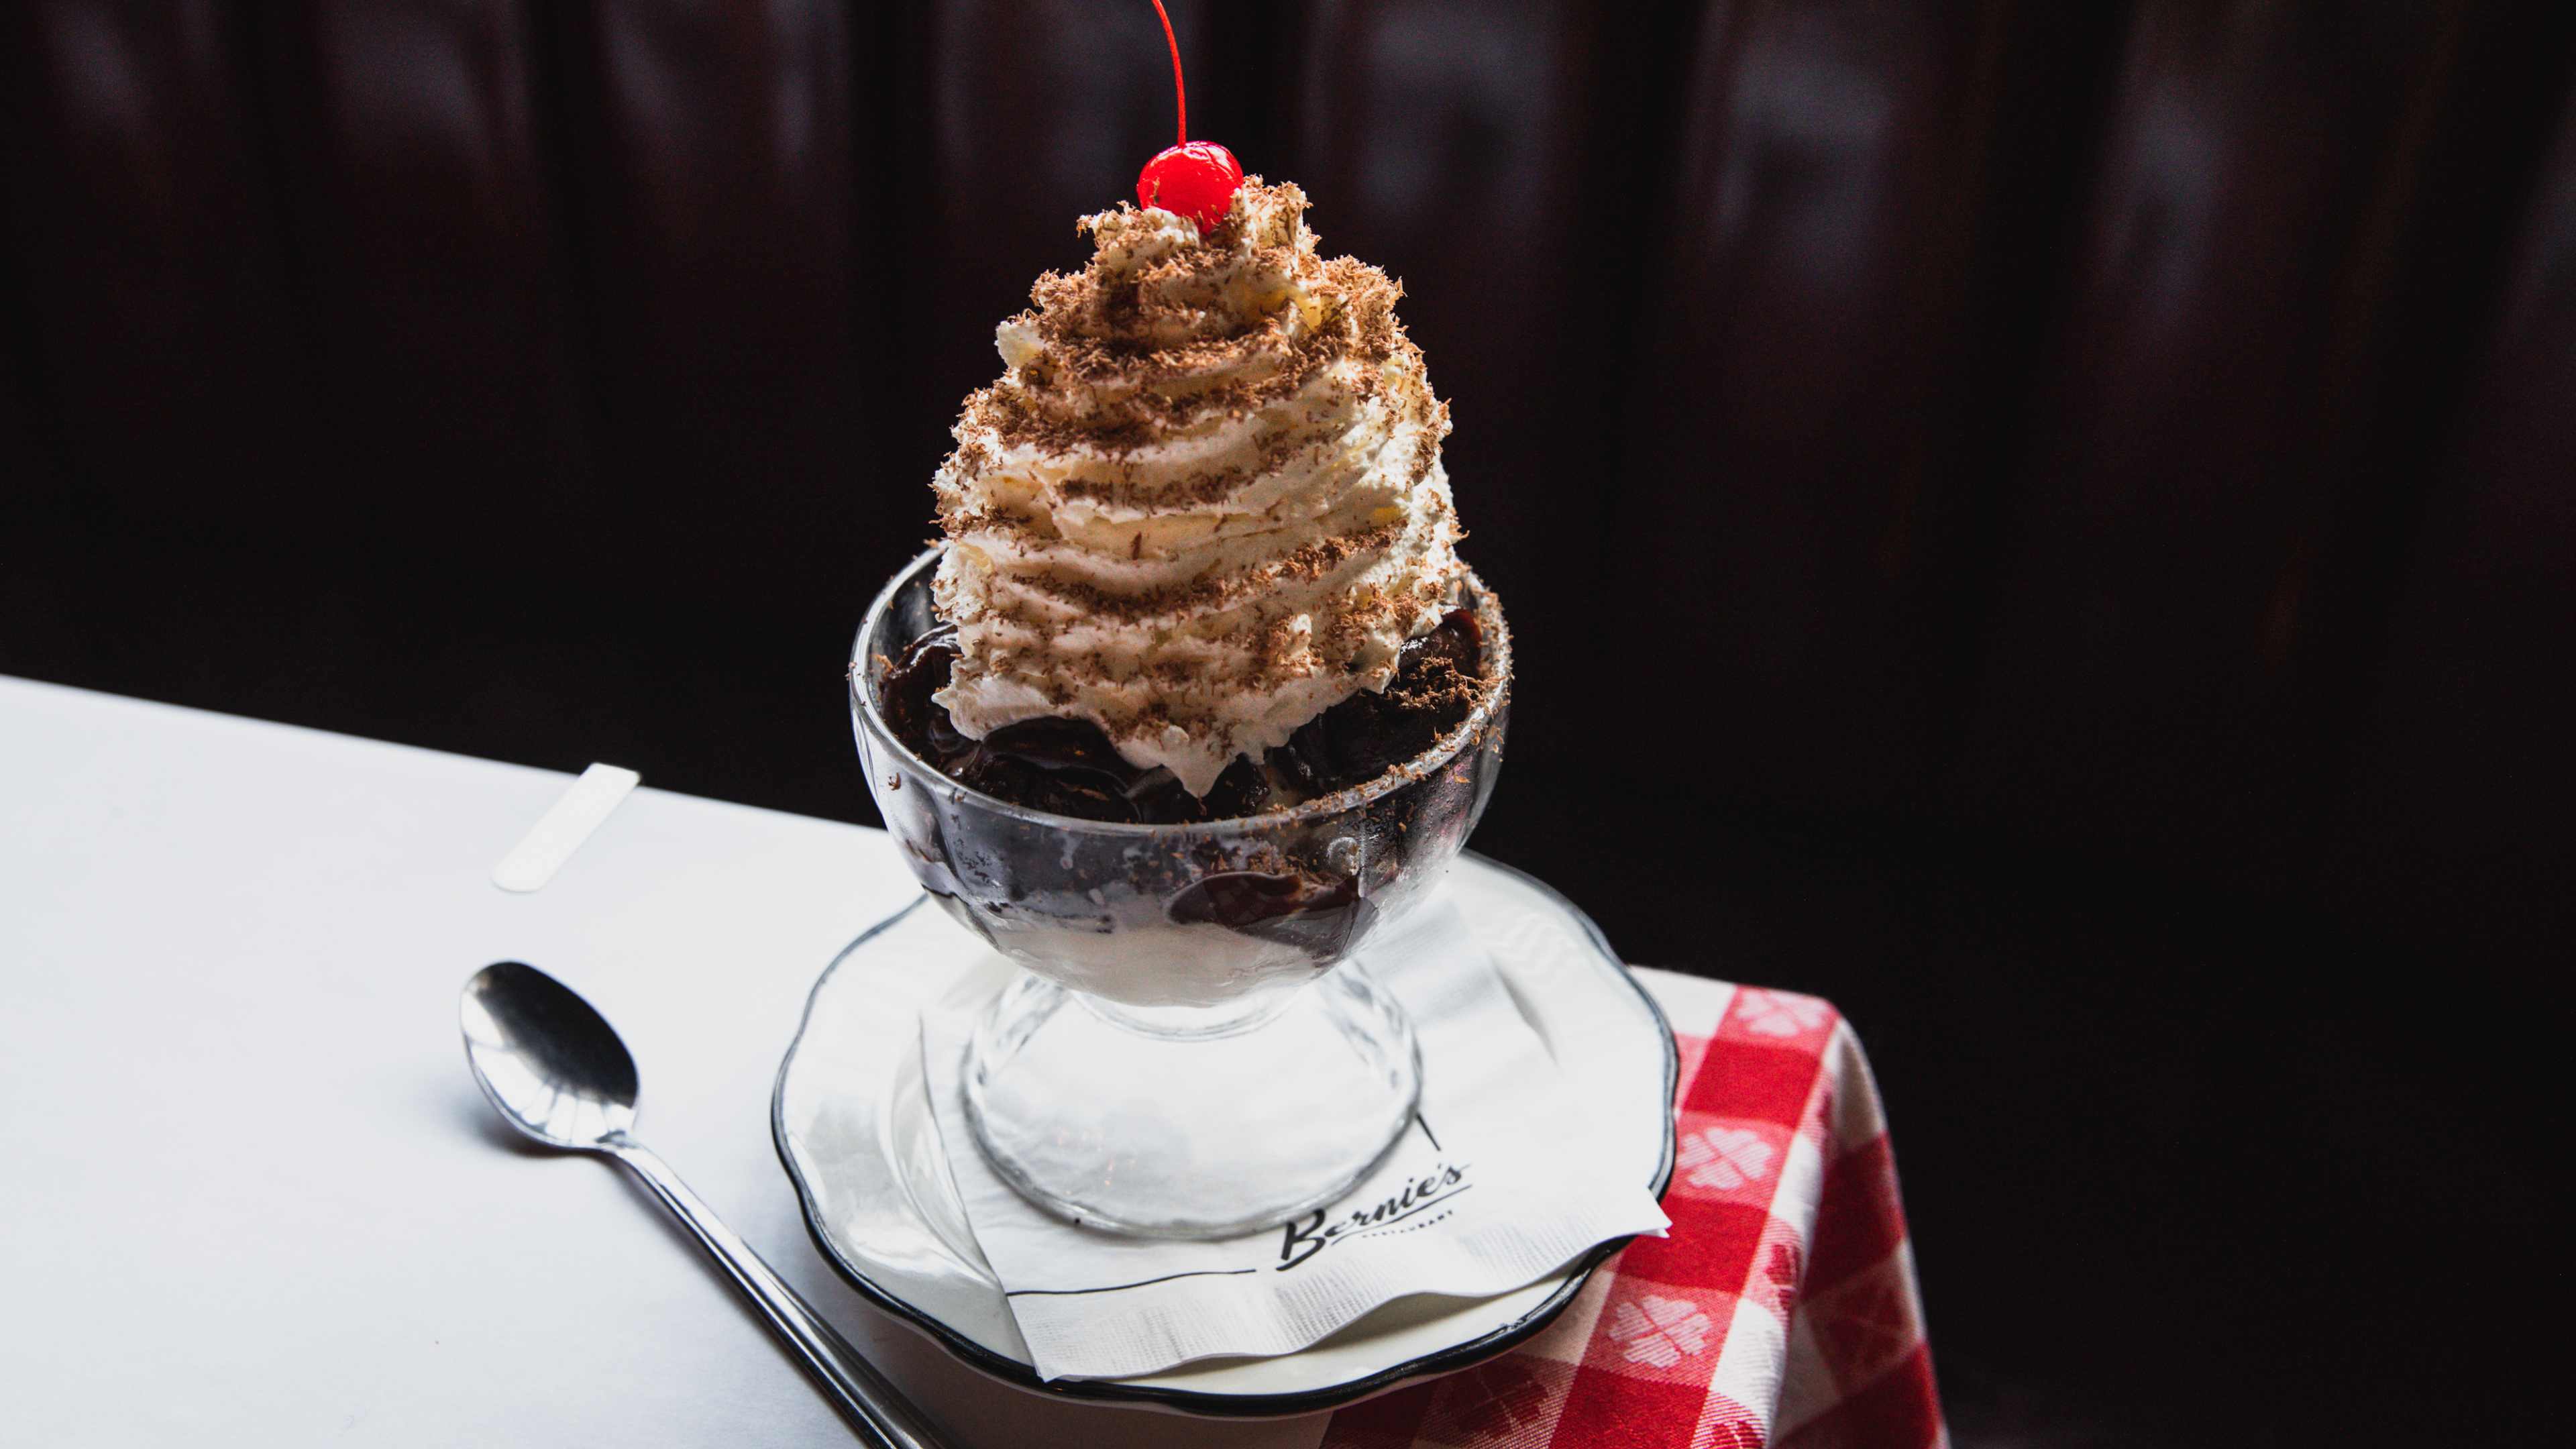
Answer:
x=1494 y=1187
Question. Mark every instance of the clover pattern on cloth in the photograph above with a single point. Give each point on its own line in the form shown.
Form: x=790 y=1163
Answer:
x=1865 y=1325
x=1724 y=1158
x=1779 y=1013
x=1659 y=1331
x=1780 y=1313
x=1784 y=1261
x=1499 y=1397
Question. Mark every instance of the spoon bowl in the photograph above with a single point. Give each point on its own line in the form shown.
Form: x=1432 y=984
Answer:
x=548 y=1062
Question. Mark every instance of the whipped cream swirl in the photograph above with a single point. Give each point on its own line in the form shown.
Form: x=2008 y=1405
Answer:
x=1205 y=502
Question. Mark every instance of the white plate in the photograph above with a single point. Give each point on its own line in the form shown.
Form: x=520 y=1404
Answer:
x=853 y=1127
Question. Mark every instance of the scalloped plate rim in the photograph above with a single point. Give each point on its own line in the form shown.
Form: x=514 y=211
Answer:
x=1201 y=1403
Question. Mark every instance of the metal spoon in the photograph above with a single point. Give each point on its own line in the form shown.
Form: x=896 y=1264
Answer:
x=556 y=1070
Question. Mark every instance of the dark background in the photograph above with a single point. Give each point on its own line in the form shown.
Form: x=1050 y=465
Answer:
x=2052 y=524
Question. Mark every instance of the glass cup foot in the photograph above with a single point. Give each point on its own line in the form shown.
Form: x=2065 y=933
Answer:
x=1170 y=1124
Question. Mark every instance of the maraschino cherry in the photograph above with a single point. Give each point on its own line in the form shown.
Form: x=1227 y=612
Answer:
x=1193 y=178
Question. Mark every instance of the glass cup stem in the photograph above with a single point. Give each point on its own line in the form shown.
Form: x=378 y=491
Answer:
x=1105 y=1116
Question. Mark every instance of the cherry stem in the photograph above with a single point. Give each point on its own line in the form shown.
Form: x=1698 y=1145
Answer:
x=1180 y=93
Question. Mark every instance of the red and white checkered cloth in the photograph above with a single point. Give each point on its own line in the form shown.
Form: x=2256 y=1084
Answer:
x=1782 y=1309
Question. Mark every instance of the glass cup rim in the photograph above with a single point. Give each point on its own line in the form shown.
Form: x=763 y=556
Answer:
x=1497 y=647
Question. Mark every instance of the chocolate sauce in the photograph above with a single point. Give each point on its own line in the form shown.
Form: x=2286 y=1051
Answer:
x=1068 y=767
x=1320 y=917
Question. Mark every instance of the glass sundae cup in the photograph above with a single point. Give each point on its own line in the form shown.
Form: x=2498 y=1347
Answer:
x=1191 y=1047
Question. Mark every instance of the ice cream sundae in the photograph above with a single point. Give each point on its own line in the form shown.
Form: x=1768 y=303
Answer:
x=1201 y=552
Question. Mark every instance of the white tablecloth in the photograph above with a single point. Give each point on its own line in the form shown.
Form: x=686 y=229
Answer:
x=250 y=1195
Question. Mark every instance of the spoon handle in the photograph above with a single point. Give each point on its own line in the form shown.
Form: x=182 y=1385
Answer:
x=872 y=1404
